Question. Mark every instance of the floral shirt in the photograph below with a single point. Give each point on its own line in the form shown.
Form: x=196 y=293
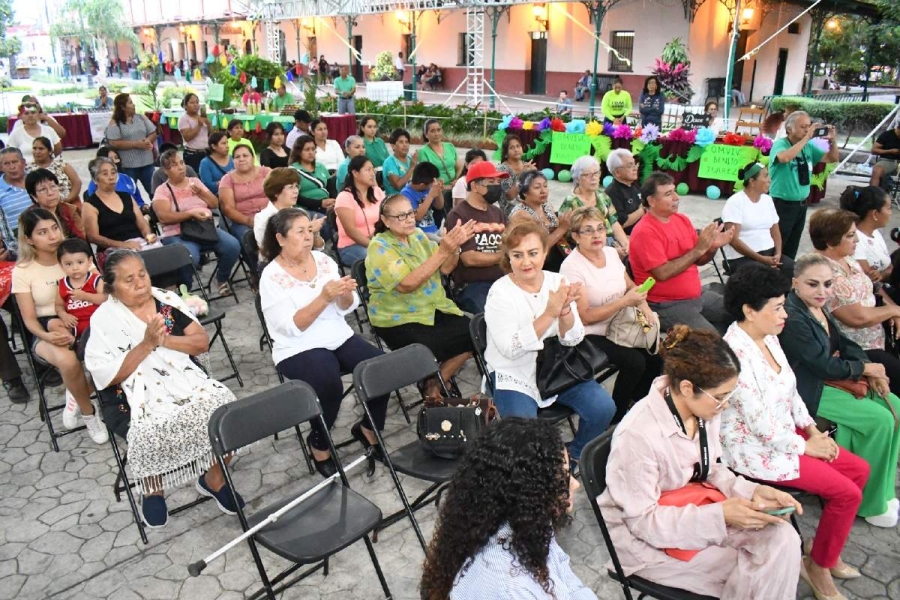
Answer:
x=388 y=262
x=759 y=428
x=604 y=205
x=548 y=212
x=855 y=288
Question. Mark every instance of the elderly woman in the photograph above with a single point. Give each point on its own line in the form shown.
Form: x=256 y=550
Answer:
x=376 y=150
x=23 y=136
x=586 y=173
x=133 y=136
x=508 y=550
x=218 y=164
x=408 y=303
x=124 y=183
x=854 y=304
x=35 y=283
x=241 y=192
x=143 y=341
x=275 y=154
x=328 y=152
x=44 y=158
x=44 y=189
x=358 y=209
x=872 y=207
x=511 y=162
x=534 y=205
x=751 y=214
x=305 y=302
x=183 y=199
x=313 y=188
x=822 y=357
x=442 y=155
x=113 y=219
x=607 y=290
x=768 y=434
x=354 y=146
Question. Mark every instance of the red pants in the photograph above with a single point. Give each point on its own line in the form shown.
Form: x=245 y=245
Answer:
x=840 y=485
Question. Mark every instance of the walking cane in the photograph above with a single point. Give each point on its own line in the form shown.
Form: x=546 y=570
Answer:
x=196 y=568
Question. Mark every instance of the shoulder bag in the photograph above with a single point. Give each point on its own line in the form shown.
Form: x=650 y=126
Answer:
x=631 y=328
x=446 y=425
x=195 y=230
x=561 y=367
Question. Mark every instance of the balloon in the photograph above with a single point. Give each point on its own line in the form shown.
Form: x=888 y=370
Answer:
x=682 y=189
x=177 y=73
x=243 y=78
x=210 y=59
x=187 y=75
x=564 y=175
x=198 y=75
x=548 y=173
x=265 y=85
x=233 y=70
x=713 y=193
x=607 y=181
x=160 y=55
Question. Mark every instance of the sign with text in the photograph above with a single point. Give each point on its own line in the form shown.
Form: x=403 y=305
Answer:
x=694 y=121
x=722 y=162
x=215 y=92
x=566 y=148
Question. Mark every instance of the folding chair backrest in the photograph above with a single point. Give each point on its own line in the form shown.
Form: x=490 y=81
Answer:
x=594 y=457
x=257 y=301
x=261 y=415
x=478 y=333
x=249 y=245
x=358 y=273
x=382 y=375
x=166 y=260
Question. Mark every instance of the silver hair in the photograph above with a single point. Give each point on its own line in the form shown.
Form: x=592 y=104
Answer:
x=582 y=163
x=792 y=118
x=351 y=140
x=95 y=164
x=616 y=159
x=12 y=150
x=112 y=261
x=166 y=157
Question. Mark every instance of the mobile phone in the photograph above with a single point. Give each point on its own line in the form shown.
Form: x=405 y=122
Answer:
x=821 y=132
x=777 y=512
x=648 y=283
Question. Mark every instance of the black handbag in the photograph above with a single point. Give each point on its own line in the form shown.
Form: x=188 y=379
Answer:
x=446 y=425
x=561 y=367
x=195 y=230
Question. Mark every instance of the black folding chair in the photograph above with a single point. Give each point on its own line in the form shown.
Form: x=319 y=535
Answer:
x=169 y=260
x=380 y=376
x=250 y=256
x=593 y=477
x=332 y=519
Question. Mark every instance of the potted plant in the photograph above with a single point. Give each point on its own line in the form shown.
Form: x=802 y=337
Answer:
x=673 y=69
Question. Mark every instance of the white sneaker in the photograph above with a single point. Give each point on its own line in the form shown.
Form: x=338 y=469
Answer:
x=887 y=520
x=96 y=428
x=893 y=505
x=70 y=412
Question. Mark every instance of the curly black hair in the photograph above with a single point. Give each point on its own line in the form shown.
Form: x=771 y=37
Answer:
x=513 y=473
x=753 y=285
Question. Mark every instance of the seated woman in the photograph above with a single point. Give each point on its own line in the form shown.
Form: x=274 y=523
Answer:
x=328 y=152
x=275 y=154
x=607 y=289
x=182 y=199
x=236 y=138
x=124 y=183
x=281 y=189
x=69 y=181
x=534 y=205
x=241 y=193
x=42 y=185
x=313 y=196
x=218 y=164
x=460 y=190
x=586 y=173
x=511 y=162
x=768 y=434
x=408 y=303
x=376 y=150
x=112 y=219
x=666 y=449
x=358 y=208
x=508 y=550
x=398 y=167
x=169 y=398
x=820 y=354
x=305 y=300
x=35 y=283
x=524 y=308
x=872 y=207
x=751 y=214
x=854 y=305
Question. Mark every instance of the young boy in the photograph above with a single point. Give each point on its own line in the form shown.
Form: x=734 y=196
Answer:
x=80 y=291
x=425 y=192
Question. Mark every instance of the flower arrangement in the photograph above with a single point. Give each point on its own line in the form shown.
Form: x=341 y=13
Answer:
x=593 y=128
x=673 y=71
x=384 y=67
x=544 y=124
x=527 y=125
x=504 y=123
x=576 y=126
x=734 y=139
x=623 y=132
x=650 y=133
x=557 y=125
x=762 y=143
x=682 y=135
x=608 y=129
x=705 y=136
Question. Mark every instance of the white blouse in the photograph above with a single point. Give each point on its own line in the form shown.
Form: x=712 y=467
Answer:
x=283 y=295
x=332 y=156
x=512 y=344
x=873 y=250
x=759 y=428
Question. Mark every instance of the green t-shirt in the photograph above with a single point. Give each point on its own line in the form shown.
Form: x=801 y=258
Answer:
x=341 y=174
x=344 y=85
x=446 y=165
x=309 y=188
x=616 y=105
x=785 y=181
x=376 y=151
x=604 y=205
x=279 y=102
x=388 y=262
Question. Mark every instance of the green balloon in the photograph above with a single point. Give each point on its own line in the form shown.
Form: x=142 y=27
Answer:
x=682 y=188
x=564 y=175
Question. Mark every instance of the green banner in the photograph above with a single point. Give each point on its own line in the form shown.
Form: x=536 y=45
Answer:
x=566 y=148
x=215 y=92
x=722 y=162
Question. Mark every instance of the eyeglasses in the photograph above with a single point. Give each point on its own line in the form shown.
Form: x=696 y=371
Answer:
x=403 y=216
x=591 y=231
x=591 y=174
x=720 y=402
x=46 y=189
x=629 y=165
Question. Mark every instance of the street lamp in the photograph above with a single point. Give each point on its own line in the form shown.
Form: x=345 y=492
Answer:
x=540 y=15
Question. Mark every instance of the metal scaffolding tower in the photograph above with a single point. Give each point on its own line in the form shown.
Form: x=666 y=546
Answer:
x=475 y=55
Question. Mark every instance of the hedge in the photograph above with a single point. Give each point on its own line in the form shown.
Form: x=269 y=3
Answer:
x=846 y=116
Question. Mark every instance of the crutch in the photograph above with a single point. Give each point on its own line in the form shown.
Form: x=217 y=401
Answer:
x=196 y=568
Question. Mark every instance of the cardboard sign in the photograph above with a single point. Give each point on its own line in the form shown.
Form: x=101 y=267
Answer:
x=566 y=148
x=215 y=92
x=722 y=162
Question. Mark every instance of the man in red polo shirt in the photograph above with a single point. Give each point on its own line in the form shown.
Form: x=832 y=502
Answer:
x=665 y=245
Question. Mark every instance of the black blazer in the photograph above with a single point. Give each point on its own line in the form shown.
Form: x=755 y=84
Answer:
x=807 y=347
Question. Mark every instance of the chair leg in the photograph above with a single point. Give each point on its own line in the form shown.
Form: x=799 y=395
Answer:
x=377 y=565
x=309 y=464
x=126 y=485
x=234 y=370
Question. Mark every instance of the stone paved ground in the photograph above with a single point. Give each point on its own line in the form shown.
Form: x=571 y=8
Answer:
x=64 y=536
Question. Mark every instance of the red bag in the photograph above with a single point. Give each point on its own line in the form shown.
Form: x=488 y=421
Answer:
x=698 y=494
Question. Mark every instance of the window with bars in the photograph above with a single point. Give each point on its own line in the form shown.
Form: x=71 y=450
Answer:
x=623 y=43
x=462 y=57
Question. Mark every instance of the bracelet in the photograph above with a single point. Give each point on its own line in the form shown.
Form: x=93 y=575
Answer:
x=566 y=312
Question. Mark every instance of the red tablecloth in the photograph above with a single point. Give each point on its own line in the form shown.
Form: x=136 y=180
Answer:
x=166 y=133
x=5 y=281
x=78 y=129
x=340 y=127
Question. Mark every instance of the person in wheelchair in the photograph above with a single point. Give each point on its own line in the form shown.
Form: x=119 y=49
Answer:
x=142 y=340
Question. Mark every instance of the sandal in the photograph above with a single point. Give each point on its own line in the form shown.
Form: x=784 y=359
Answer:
x=224 y=289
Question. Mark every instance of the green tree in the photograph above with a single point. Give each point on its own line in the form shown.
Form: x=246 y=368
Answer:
x=92 y=21
x=8 y=46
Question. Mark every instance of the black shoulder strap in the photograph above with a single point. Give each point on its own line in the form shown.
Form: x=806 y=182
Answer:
x=701 y=469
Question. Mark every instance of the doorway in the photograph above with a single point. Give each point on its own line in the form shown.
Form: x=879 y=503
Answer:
x=780 y=70
x=538 y=63
x=737 y=77
x=357 y=69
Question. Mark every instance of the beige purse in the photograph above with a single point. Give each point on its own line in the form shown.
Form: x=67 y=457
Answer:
x=631 y=328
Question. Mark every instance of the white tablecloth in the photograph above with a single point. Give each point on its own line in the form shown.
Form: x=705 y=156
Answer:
x=384 y=91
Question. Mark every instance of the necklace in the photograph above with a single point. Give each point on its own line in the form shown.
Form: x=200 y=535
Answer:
x=300 y=266
x=524 y=289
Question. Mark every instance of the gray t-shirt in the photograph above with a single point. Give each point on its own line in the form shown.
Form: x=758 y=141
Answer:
x=139 y=128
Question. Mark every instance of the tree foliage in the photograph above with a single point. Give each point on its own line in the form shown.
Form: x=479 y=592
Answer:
x=101 y=19
x=8 y=46
x=849 y=44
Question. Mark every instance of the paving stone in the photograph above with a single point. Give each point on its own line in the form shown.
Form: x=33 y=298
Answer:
x=10 y=586
x=64 y=510
x=56 y=542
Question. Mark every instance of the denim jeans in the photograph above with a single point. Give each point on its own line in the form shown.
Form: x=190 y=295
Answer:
x=237 y=230
x=227 y=250
x=143 y=174
x=590 y=401
x=473 y=297
x=346 y=106
x=351 y=254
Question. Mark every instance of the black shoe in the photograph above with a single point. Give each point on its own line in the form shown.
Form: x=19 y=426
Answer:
x=52 y=378
x=377 y=452
x=326 y=468
x=16 y=390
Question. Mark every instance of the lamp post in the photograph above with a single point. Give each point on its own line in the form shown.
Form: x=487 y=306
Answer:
x=408 y=22
x=597 y=11
x=298 y=23
x=729 y=74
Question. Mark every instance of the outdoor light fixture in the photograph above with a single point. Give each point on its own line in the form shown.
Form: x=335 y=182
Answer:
x=540 y=15
x=148 y=32
x=309 y=25
x=832 y=24
x=403 y=18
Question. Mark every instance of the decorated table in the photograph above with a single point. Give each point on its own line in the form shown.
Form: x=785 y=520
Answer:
x=697 y=160
x=77 y=125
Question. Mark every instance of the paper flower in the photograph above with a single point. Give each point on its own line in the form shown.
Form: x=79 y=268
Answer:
x=504 y=124
x=763 y=143
x=734 y=139
x=528 y=125
x=593 y=129
x=224 y=60
x=277 y=82
x=216 y=50
x=210 y=59
x=515 y=123
x=544 y=124
x=557 y=125
x=233 y=69
x=705 y=136
x=576 y=126
x=650 y=133
x=622 y=132
x=636 y=134
x=608 y=129
x=821 y=143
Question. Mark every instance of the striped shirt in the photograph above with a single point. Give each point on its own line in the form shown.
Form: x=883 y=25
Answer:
x=13 y=200
x=139 y=128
